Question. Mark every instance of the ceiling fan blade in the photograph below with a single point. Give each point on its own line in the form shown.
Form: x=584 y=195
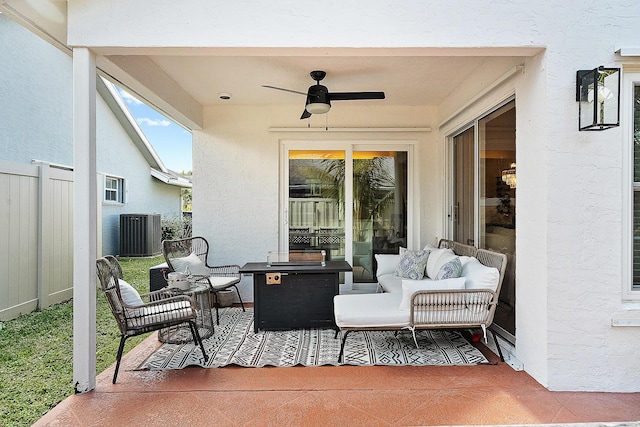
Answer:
x=345 y=96
x=305 y=115
x=285 y=90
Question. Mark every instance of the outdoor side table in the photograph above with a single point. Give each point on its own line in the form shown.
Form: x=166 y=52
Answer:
x=204 y=321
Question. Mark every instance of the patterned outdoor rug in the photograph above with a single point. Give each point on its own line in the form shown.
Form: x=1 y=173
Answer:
x=235 y=343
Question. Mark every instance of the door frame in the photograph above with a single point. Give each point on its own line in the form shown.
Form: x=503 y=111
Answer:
x=349 y=147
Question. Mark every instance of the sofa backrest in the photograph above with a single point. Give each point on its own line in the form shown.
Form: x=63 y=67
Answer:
x=493 y=259
x=458 y=248
x=485 y=256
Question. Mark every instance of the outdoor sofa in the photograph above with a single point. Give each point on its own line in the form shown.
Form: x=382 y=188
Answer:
x=458 y=289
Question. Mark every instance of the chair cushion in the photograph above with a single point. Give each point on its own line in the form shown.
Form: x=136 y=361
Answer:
x=410 y=287
x=480 y=276
x=222 y=282
x=369 y=311
x=160 y=313
x=129 y=295
x=450 y=270
x=191 y=262
x=412 y=264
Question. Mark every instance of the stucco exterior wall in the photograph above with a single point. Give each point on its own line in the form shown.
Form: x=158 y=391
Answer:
x=236 y=164
x=117 y=156
x=35 y=100
x=36 y=123
x=570 y=188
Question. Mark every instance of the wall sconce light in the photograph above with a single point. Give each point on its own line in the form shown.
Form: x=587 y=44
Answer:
x=598 y=94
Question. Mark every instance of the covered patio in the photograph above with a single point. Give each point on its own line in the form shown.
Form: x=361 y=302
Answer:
x=325 y=396
x=574 y=209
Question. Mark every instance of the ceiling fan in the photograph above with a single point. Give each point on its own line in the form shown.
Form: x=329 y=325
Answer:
x=319 y=98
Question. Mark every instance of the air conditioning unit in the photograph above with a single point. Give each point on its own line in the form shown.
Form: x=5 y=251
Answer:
x=140 y=235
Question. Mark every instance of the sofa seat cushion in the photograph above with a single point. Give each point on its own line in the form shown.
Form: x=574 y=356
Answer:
x=370 y=311
x=391 y=283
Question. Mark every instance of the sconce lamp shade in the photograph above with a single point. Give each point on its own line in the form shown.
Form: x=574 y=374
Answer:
x=598 y=95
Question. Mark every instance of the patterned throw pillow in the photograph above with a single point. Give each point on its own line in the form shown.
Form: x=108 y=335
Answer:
x=412 y=264
x=451 y=270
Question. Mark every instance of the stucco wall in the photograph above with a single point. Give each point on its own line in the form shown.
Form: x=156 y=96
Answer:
x=236 y=173
x=144 y=194
x=570 y=189
x=36 y=123
x=35 y=98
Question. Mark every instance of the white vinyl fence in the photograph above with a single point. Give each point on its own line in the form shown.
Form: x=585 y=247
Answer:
x=36 y=237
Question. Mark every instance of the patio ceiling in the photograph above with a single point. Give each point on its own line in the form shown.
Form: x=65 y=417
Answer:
x=180 y=81
x=409 y=77
x=405 y=80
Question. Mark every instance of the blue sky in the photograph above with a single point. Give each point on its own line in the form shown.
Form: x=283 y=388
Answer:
x=171 y=141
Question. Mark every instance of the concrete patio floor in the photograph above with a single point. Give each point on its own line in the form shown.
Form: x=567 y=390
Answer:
x=332 y=396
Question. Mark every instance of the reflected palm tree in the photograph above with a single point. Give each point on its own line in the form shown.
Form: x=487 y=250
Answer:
x=373 y=188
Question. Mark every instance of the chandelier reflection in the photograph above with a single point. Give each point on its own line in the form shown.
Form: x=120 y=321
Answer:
x=509 y=176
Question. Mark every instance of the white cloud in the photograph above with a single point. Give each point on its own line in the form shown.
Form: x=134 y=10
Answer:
x=129 y=99
x=152 y=122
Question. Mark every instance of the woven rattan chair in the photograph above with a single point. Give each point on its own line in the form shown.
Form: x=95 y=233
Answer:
x=192 y=254
x=159 y=310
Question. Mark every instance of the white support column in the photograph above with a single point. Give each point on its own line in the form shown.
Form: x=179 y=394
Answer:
x=84 y=220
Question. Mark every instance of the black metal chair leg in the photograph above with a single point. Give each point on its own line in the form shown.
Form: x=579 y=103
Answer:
x=337 y=332
x=341 y=355
x=495 y=339
x=197 y=339
x=217 y=307
x=118 y=358
x=239 y=297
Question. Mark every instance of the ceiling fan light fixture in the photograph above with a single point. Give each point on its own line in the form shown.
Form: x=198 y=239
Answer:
x=318 y=108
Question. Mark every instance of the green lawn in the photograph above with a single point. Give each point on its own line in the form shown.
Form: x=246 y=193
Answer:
x=36 y=351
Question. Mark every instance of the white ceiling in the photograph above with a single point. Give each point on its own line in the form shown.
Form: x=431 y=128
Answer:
x=409 y=81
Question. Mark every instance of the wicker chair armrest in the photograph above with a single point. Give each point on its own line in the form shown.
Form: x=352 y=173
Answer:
x=161 y=298
x=224 y=270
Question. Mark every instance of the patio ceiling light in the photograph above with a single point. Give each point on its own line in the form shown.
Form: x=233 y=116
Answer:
x=598 y=94
x=318 y=107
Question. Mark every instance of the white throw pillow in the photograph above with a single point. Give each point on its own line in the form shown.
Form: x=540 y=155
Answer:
x=410 y=287
x=480 y=276
x=386 y=263
x=129 y=295
x=438 y=258
x=193 y=263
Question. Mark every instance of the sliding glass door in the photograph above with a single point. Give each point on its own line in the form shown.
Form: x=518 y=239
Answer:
x=316 y=202
x=483 y=211
x=379 y=208
x=351 y=203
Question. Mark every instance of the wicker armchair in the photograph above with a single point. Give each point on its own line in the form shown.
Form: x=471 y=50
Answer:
x=159 y=311
x=192 y=253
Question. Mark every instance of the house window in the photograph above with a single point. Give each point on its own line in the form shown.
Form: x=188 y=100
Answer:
x=113 y=189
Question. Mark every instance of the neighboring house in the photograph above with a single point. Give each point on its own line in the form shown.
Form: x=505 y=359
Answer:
x=36 y=128
x=470 y=90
